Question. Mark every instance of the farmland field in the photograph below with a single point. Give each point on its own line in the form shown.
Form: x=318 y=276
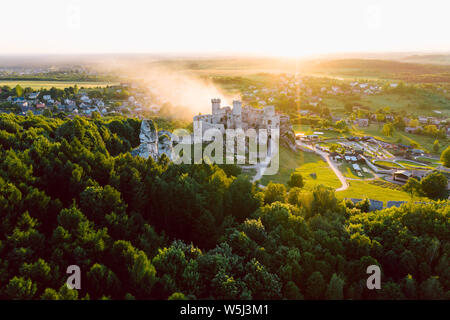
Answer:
x=36 y=85
x=381 y=69
x=418 y=102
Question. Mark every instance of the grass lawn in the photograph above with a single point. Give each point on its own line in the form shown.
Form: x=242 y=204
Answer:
x=410 y=164
x=336 y=105
x=430 y=162
x=306 y=163
x=365 y=189
x=347 y=171
x=387 y=164
x=302 y=128
x=307 y=130
x=36 y=85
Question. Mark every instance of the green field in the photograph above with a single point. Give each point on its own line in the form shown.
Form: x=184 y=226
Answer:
x=365 y=189
x=431 y=162
x=36 y=85
x=380 y=69
x=307 y=130
x=420 y=103
x=306 y=163
x=347 y=171
x=387 y=164
x=411 y=164
x=302 y=128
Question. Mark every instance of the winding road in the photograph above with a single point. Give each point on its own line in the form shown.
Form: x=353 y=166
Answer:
x=332 y=165
x=262 y=166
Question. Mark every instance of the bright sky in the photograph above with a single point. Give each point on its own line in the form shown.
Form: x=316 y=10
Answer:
x=277 y=27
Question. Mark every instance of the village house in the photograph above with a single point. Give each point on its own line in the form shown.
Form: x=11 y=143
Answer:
x=69 y=102
x=362 y=122
x=85 y=99
x=412 y=129
x=404 y=175
x=18 y=100
x=33 y=95
x=423 y=120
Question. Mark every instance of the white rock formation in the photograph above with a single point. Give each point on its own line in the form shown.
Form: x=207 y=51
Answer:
x=165 y=145
x=149 y=140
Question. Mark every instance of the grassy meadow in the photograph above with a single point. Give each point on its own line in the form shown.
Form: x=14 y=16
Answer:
x=348 y=172
x=367 y=189
x=308 y=164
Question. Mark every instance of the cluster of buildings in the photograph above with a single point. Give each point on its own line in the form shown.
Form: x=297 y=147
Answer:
x=84 y=105
x=424 y=121
x=366 y=88
x=37 y=103
x=421 y=122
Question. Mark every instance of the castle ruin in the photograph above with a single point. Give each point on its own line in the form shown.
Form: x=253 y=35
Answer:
x=247 y=117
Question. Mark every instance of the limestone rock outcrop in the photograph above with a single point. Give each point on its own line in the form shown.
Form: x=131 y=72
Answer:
x=153 y=144
x=165 y=144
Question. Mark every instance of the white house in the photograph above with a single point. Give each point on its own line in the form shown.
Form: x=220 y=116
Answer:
x=85 y=99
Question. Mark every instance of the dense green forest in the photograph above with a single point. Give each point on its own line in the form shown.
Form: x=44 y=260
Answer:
x=71 y=193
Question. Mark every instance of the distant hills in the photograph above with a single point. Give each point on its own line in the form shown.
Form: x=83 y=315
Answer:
x=409 y=67
x=383 y=69
x=429 y=58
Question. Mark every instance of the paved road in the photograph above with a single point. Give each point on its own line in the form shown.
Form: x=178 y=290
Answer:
x=261 y=167
x=332 y=165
